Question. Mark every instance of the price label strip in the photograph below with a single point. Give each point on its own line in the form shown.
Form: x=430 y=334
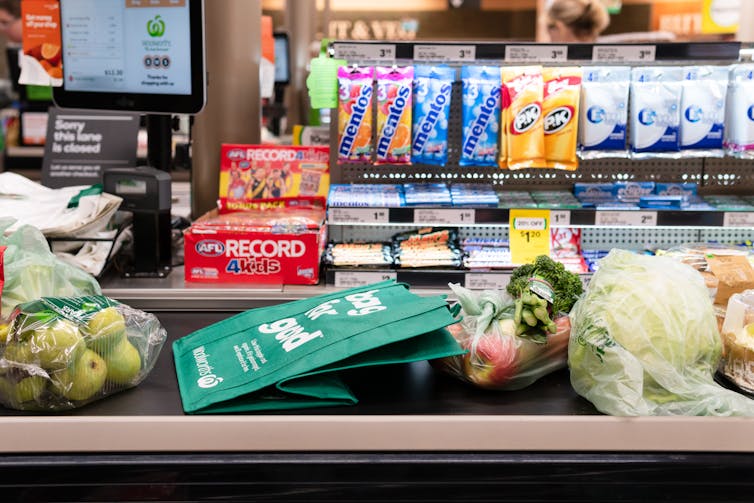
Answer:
x=623 y=53
x=444 y=53
x=533 y=53
x=350 y=279
x=343 y=216
x=485 y=281
x=738 y=219
x=364 y=52
x=560 y=218
x=444 y=217
x=626 y=218
x=529 y=235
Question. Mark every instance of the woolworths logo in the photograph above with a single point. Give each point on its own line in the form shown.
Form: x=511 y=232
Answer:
x=207 y=379
x=156 y=27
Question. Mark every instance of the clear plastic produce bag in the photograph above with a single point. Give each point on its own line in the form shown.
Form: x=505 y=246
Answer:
x=62 y=353
x=644 y=341
x=497 y=358
x=29 y=270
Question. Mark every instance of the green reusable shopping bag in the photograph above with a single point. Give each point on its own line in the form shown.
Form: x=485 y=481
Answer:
x=286 y=356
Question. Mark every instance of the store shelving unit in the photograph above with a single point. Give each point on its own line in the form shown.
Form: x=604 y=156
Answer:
x=600 y=229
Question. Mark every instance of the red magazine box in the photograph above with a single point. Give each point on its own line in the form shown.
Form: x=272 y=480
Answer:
x=280 y=242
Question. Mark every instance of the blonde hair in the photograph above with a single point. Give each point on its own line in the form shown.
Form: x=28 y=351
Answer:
x=585 y=18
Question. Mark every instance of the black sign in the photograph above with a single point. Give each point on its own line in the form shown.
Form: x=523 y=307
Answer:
x=81 y=144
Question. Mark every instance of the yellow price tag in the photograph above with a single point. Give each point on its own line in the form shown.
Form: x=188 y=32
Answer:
x=529 y=235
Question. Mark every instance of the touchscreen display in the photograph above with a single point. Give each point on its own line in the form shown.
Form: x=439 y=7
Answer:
x=129 y=46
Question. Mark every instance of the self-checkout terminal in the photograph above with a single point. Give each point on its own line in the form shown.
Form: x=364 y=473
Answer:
x=137 y=75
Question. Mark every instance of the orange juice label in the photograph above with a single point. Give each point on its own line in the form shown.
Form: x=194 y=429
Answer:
x=394 y=92
x=561 y=110
x=41 y=62
x=525 y=131
x=355 y=89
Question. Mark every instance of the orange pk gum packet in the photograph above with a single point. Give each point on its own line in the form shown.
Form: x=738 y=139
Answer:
x=355 y=89
x=561 y=110
x=394 y=92
x=524 y=128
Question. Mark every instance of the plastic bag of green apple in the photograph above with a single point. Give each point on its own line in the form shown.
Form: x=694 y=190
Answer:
x=60 y=353
x=497 y=357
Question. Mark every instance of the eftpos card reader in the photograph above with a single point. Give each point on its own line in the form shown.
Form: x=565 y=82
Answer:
x=146 y=193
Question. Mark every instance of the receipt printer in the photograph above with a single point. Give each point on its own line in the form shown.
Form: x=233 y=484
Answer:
x=146 y=192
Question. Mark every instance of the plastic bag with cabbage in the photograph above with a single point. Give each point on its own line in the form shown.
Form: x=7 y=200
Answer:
x=30 y=271
x=644 y=341
x=498 y=357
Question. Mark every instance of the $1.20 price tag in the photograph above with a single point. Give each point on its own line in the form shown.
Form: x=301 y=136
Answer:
x=529 y=235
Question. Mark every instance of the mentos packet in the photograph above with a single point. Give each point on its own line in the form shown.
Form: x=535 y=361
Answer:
x=560 y=106
x=703 y=109
x=739 y=115
x=355 y=114
x=604 y=111
x=394 y=89
x=655 y=110
x=432 y=91
x=524 y=128
x=481 y=111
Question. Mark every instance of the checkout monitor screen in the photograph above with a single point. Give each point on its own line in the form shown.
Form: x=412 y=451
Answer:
x=133 y=48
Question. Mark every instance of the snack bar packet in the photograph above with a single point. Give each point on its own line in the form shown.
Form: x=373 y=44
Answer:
x=481 y=111
x=394 y=90
x=739 y=115
x=355 y=91
x=655 y=111
x=562 y=91
x=432 y=93
x=525 y=128
x=604 y=111
x=703 y=110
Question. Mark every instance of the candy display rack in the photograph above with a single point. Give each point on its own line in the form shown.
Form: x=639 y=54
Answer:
x=600 y=229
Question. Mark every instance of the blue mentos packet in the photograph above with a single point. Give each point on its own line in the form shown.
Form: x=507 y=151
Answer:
x=685 y=189
x=703 y=108
x=633 y=191
x=432 y=89
x=655 y=109
x=604 y=111
x=481 y=115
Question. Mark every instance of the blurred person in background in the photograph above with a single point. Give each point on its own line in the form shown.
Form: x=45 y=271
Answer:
x=10 y=20
x=576 y=20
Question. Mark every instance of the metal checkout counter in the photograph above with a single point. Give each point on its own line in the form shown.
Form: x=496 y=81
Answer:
x=416 y=435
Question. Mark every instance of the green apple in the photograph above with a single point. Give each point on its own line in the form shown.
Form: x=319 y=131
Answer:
x=19 y=352
x=105 y=330
x=27 y=389
x=123 y=363
x=83 y=379
x=58 y=345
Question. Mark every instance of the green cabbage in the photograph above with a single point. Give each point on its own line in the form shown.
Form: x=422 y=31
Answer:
x=30 y=270
x=644 y=341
